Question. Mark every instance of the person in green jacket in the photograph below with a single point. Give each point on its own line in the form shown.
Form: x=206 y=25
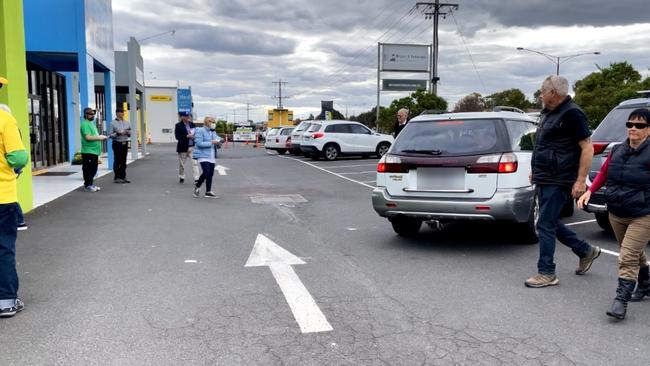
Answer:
x=91 y=148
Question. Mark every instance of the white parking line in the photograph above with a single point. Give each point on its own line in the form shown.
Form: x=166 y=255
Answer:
x=580 y=222
x=327 y=171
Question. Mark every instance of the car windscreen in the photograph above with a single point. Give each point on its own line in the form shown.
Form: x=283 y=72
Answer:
x=451 y=137
x=612 y=128
x=314 y=127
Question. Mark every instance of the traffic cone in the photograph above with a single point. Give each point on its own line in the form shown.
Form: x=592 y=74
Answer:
x=149 y=138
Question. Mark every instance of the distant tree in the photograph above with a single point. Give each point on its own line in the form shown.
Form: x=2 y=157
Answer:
x=367 y=118
x=510 y=97
x=311 y=117
x=417 y=102
x=601 y=91
x=470 y=103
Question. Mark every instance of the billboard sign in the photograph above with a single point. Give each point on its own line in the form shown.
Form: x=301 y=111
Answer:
x=185 y=100
x=403 y=84
x=412 y=58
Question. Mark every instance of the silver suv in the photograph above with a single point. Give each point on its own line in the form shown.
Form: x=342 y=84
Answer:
x=459 y=166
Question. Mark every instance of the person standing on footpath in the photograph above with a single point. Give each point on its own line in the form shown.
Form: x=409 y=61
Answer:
x=22 y=225
x=627 y=173
x=184 y=132
x=207 y=141
x=402 y=120
x=91 y=148
x=120 y=133
x=13 y=156
x=560 y=163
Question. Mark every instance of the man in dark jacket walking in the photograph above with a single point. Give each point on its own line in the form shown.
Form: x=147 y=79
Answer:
x=560 y=163
x=184 y=132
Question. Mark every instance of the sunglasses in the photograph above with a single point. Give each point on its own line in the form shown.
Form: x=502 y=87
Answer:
x=637 y=125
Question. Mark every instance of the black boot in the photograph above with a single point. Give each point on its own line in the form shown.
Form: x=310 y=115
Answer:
x=643 y=285
x=623 y=294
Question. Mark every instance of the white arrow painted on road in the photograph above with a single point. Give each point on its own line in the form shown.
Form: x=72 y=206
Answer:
x=221 y=169
x=279 y=260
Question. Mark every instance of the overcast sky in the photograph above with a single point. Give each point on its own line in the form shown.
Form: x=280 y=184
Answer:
x=231 y=51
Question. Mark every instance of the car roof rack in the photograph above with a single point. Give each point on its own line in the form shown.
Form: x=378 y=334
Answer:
x=433 y=111
x=644 y=93
x=505 y=108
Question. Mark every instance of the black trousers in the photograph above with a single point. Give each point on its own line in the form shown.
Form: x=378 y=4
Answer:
x=207 y=172
x=120 y=150
x=89 y=168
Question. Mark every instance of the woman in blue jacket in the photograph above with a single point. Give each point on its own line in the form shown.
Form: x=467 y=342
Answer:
x=206 y=142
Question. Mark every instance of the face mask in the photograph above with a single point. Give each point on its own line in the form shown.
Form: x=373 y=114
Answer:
x=213 y=127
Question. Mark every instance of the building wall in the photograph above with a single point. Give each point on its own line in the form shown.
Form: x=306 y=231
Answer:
x=162 y=113
x=279 y=117
x=13 y=66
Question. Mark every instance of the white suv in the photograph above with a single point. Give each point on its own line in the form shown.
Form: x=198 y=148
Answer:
x=331 y=139
x=278 y=139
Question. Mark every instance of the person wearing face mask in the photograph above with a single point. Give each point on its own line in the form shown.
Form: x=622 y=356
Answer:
x=206 y=142
x=91 y=147
x=626 y=173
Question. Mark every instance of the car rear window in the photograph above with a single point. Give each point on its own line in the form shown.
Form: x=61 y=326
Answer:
x=302 y=126
x=272 y=132
x=286 y=131
x=612 y=128
x=314 y=127
x=450 y=137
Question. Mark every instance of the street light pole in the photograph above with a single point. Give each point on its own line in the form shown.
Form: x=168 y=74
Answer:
x=173 y=31
x=557 y=60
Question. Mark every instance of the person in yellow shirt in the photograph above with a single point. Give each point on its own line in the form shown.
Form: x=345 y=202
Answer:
x=12 y=156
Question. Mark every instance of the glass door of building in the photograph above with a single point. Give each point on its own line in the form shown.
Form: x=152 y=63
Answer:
x=35 y=131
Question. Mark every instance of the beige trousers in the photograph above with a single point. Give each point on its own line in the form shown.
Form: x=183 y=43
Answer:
x=632 y=234
x=182 y=158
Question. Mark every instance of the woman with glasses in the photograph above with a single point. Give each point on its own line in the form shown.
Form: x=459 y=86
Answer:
x=627 y=174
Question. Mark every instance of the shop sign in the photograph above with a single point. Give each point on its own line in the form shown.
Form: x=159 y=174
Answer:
x=161 y=98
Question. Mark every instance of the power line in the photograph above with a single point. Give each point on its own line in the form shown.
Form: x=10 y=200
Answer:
x=460 y=32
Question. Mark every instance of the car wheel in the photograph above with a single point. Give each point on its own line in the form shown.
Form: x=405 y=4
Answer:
x=602 y=218
x=331 y=152
x=406 y=226
x=382 y=149
x=281 y=151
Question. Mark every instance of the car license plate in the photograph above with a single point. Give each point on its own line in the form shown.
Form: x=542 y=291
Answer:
x=440 y=178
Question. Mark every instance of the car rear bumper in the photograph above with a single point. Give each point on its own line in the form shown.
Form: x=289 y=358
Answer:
x=505 y=204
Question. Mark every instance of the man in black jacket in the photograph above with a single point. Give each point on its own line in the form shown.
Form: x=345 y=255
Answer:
x=402 y=120
x=560 y=163
x=184 y=132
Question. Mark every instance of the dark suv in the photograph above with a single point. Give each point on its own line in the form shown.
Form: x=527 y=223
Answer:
x=609 y=133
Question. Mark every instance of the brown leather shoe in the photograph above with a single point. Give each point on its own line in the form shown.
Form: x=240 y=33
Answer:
x=585 y=262
x=542 y=280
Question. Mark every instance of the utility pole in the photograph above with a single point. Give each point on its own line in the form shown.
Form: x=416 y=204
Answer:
x=280 y=97
x=248 y=108
x=432 y=10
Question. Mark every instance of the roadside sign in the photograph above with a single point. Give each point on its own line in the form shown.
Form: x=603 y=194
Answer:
x=403 y=84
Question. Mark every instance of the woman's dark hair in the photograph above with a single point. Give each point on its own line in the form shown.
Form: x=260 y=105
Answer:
x=641 y=113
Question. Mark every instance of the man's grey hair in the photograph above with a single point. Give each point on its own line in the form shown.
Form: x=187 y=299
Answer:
x=403 y=110
x=558 y=83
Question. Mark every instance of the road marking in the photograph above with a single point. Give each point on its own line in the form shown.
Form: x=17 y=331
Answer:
x=308 y=315
x=191 y=261
x=221 y=169
x=327 y=171
x=580 y=222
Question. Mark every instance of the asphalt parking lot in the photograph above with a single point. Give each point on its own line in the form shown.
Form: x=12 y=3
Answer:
x=145 y=274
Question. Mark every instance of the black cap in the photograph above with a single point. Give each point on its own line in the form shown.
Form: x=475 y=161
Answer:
x=88 y=109
x=119 y=110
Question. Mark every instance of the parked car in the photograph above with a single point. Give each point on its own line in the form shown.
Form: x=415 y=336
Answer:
x=459 y=166
x=610 y=132
x=296 y=136
x=278 y=139
x=331 y=139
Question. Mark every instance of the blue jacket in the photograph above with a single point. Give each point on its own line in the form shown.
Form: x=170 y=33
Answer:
x=203 y=143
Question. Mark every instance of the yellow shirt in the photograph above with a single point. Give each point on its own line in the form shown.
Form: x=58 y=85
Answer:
x=9 y=142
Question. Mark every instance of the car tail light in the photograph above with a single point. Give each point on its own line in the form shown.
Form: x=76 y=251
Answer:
x=317 y=135
x=497 y=163
x=391 y=164
x=277 y=140
x=288 y=143
x=599 y=147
